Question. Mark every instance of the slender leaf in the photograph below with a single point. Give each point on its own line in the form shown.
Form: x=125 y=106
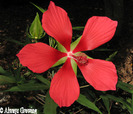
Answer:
x=17 y=74
x=86 y=102
x=41 y=9
x=120 y=100
x=7 y=79
x=28 y=87
x=78 y=28
x=110 y=58
x=126 y=87
x=52 y=42
x=50 y=106
x=44 y=80
x=27 y=73
x=106 y=102
x=132 y=105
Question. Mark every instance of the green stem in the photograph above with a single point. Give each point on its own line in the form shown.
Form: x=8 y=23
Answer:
x=84 y=86
x=132 y=105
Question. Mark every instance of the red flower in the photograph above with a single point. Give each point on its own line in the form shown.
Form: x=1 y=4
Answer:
x=39 y=57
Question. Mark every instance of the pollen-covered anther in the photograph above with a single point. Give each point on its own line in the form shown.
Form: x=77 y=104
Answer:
x=81 y=58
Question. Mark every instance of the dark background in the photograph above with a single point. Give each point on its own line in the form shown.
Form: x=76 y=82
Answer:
x=17 y=15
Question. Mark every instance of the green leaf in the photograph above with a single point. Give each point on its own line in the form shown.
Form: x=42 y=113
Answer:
x=6 y=79
x=86 y=102
x=28 y=87
x=2 y=71
x=36 y=30
x=43 y=80
x=27 y=73
x=78 y=28
x=52 y=42
x=126 y=87
x=132 y=105
x=75 y=43
x=17 y=74
x=106 y=102
x=41 y=9
x=50 y=106
x=110 y=58
x=120 y=100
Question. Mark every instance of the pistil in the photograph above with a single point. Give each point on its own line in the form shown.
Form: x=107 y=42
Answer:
x=81 y=58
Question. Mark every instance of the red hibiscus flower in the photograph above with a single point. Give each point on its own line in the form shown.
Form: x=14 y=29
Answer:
x=39 y=57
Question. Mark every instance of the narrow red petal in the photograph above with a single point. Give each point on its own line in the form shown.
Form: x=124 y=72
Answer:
x=100 y=74
x=39 y=57
x=64 y=89
x=98 y=31
x=56 y=23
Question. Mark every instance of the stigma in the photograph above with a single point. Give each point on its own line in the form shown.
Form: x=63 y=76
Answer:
x=80 y=58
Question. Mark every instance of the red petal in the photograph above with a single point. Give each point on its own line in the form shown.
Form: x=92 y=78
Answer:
x=98 y=31
x=56 y=23
x=100 y=74
x=64 y=89
x=39 y=57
